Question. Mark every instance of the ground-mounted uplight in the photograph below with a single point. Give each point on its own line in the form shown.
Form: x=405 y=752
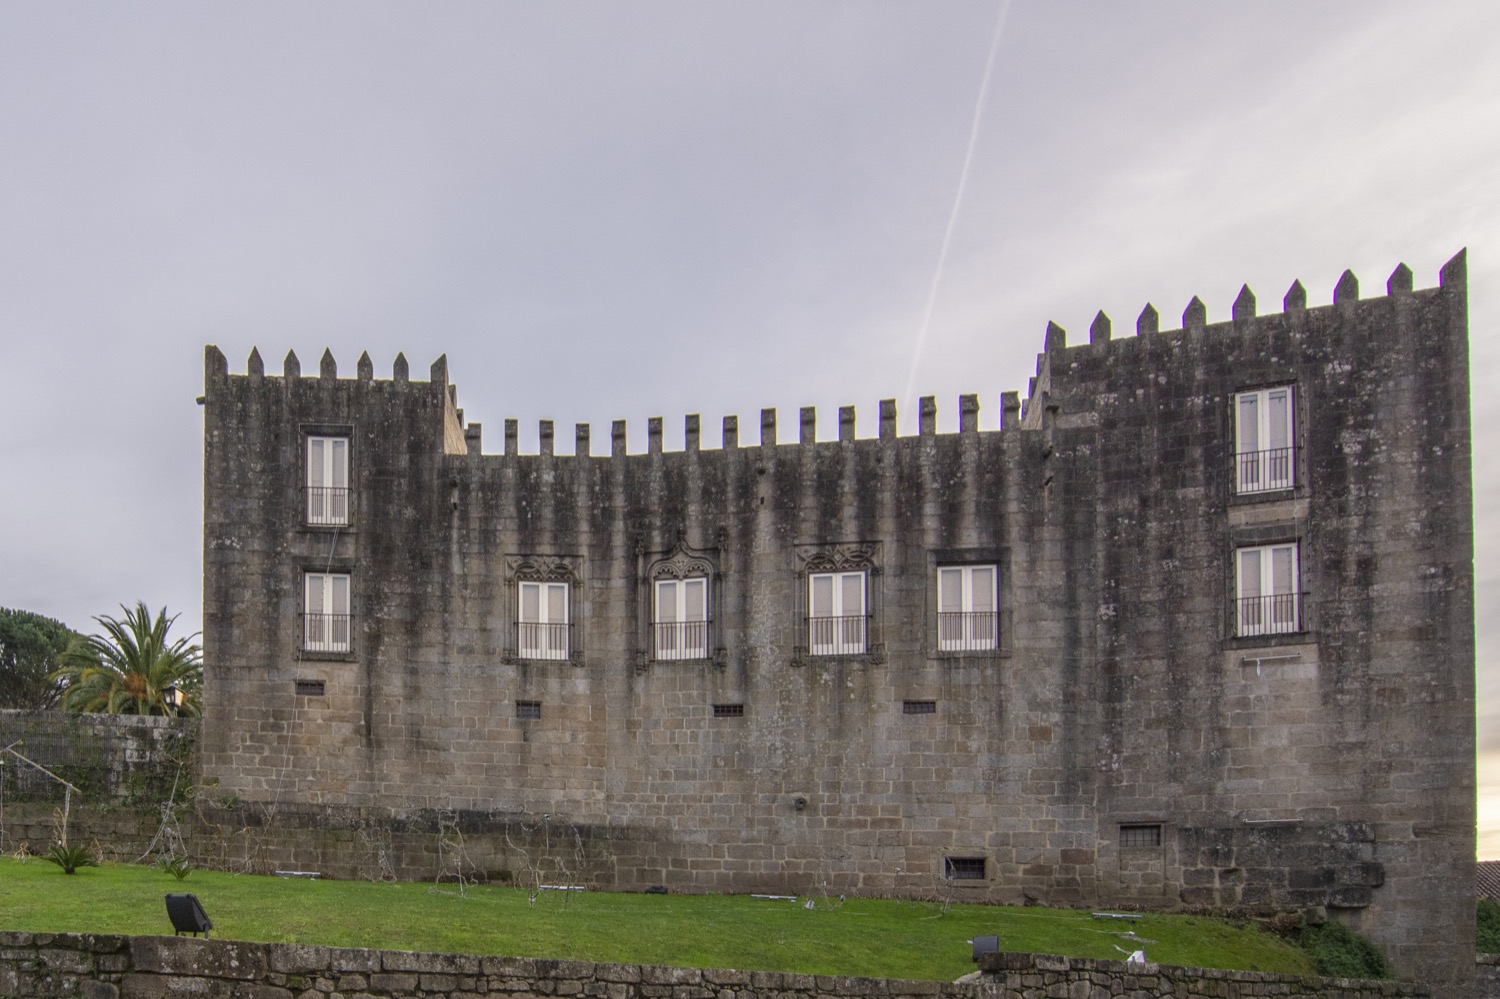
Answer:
x=187 y=915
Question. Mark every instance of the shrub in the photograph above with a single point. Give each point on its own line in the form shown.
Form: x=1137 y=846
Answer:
x=70 y=858
x=1339 y=952
x=1487 y=935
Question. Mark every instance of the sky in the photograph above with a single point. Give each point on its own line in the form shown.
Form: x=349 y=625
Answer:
x=604 y=211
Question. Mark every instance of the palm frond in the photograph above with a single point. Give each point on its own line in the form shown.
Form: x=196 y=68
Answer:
x=129 y=668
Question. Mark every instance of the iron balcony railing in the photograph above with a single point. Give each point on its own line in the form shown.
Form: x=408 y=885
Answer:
x=327 y=506
x=835 y=636
x=327 y=632
x=538 y=640
x=680 y=639
x=1277 y=614
x=1264 y=471
x=967 y=631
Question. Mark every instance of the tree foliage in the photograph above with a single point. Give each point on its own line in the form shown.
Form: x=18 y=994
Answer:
x=31 y=648
x=128 y=669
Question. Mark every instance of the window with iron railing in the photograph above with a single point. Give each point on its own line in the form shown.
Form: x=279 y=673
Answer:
x=543 y=625
x=326 y=622
x=1265 y=452
x=838 y=618
x=327 y=481
x=680 y=627
x=1268 y=598
x=968 y=620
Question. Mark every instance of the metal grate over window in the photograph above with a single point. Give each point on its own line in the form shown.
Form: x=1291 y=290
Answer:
x=1140 y=836
x=919 y=707
x=729 y=711
x=529 y=709
x=309 y=688
x=963 y=868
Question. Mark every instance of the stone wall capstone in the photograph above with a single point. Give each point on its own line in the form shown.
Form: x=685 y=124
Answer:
x=85 y=966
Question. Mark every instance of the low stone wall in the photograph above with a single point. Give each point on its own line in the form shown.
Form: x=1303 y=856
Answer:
x=49 y=966
x=1487 y=976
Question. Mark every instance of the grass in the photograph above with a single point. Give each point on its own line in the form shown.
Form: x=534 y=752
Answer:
x=864 y=937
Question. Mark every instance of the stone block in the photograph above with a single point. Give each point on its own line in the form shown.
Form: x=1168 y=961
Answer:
x=194 y=956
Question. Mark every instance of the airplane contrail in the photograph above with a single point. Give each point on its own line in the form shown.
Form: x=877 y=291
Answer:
x=958 y=198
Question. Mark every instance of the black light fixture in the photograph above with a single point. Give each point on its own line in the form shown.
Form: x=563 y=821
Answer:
x=187 y=915
x=175 y=697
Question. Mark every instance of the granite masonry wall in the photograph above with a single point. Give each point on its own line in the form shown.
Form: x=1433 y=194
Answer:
x=48 y=966
x=1124 y=739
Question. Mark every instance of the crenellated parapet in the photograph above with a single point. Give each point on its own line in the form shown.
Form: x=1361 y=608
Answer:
x=1016 y=412
x=467 y=438
x=1243 y=319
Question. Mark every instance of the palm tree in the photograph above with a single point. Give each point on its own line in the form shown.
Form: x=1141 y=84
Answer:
x=132 y=667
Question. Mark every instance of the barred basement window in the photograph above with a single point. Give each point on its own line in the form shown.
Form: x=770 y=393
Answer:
x=729 y=711
x=963 y=868
x=919 y=707
x=529 y=709
x=309 y=688
x=1140 y=836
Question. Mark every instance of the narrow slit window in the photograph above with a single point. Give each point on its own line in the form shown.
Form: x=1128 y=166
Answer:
x=309 y=688
x=729 y=711
x=529 y=710
x=919 y=707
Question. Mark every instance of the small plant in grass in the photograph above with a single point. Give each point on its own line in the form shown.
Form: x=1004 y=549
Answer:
x=1339 y=952
x=70 y=858
x=178 y=867
x=1487 y=935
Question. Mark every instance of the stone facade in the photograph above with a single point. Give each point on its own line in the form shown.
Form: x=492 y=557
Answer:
x=57 y=966
x=1212 y=644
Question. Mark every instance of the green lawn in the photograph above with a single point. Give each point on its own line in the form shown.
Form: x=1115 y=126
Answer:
x=873 y=938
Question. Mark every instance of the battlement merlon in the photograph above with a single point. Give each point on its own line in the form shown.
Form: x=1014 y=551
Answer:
x=1040 y=401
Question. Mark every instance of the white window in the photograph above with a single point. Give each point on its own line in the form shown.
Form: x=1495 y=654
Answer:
x=1266 y=585
x=1265 y=457
x=328 y=480
x=966 y=608
x=325 y=612
x=681 y=626
x=836 y=613
x=542 y=621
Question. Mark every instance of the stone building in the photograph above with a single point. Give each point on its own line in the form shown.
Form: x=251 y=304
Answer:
x=1193 y=627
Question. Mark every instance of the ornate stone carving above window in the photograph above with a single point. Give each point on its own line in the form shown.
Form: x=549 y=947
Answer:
x=541 y=568
x=681 y=563
x=844 y=557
